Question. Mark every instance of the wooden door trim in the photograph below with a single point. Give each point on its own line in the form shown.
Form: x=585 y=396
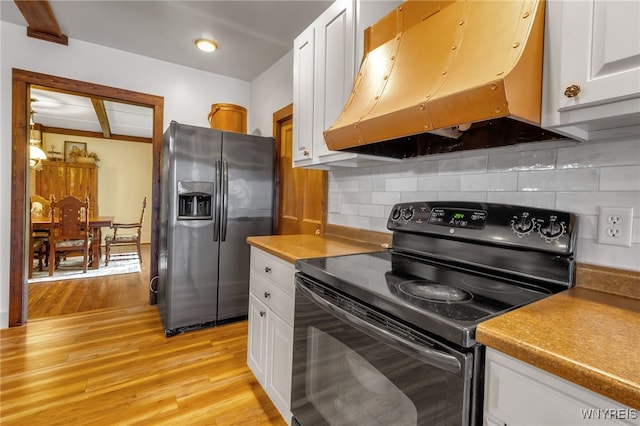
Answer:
x=283 y=114
x=21 y=82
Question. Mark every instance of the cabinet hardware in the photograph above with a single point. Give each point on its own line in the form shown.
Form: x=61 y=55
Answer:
x=572 y=91
x=305 y=153
x=267 y=269
x=267 y=294
x=262 y=313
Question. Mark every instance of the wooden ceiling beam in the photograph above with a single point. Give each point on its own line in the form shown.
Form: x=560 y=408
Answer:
x=88 y=134
x=41 y=21
x=101 y=113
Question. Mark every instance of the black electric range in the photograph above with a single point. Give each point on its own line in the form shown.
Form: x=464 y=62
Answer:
x=453 y=265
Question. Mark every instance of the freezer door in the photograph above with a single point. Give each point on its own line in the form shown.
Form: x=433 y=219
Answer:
x=192 y=260
x=247 y=210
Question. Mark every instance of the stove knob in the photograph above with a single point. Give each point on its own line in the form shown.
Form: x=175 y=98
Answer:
x=407 y=214
x=552 y=230
x=522 y=225
x=395 y=214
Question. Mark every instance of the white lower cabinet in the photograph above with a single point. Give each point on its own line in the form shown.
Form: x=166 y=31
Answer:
x=270 y=341
x=517 y=393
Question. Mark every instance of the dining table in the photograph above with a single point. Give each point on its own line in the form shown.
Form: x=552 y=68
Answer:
x=41 y=224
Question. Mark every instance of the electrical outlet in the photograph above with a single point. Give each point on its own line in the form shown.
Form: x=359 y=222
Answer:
x=615 y=226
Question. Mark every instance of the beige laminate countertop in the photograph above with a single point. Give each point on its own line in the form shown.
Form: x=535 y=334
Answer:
x=586 y=336
x=294 y=247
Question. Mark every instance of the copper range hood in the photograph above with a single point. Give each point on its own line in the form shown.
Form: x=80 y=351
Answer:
x=441 y=76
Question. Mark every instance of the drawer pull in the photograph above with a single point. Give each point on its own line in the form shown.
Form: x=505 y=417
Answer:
x=267 y=294
x=262 y=313
x=267 y=269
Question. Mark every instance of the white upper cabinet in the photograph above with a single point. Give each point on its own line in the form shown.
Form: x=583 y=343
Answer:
x=326 y=58
x=592 y=69
x=303 y=95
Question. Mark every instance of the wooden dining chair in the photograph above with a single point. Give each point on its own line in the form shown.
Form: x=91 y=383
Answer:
x=39 y=238
x=129 y=238
x=70 y=232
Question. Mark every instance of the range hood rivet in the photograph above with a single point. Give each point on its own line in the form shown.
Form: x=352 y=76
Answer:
x=444 y=72
x=525 y=15
x=516 y=44
x=461 y=22
x=393 y=58
x=454 y=47
x=498 y=109
x=376 y=98
x=421 y=106
x=494 y=86
x=500 y=73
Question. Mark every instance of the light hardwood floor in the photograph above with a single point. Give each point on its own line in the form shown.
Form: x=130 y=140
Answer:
x=54 y=298
x=114 y=366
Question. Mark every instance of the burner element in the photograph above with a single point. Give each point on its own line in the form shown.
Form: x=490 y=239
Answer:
x=434 y=292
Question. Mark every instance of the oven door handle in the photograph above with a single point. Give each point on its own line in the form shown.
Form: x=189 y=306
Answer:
x=433 y=357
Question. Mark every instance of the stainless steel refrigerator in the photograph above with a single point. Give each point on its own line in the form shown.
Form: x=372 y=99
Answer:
x=217 y=188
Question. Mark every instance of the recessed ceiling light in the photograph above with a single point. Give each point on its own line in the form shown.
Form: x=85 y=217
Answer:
x=206 y=45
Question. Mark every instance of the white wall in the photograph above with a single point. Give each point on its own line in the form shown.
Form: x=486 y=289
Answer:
x=270 y=91
x=188 y=95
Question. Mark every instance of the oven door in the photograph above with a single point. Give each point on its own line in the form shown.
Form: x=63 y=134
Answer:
x=356 y=366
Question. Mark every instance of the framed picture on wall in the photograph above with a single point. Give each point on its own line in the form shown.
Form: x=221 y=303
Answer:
x=70 y=146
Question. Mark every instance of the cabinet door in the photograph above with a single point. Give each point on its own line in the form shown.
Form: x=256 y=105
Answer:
x=257 y=340
x=280 y=364
x=303 y=96
x=81 y=181
x=51 y=180
x=601 y=51
x=593 y=46
x=334 y=68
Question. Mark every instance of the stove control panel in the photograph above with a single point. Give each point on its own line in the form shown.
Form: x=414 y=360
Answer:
x=500 y=224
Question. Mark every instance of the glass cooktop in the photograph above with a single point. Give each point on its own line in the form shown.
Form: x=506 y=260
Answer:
x=442 y=301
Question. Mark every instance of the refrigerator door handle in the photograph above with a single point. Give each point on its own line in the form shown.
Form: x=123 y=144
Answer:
x=225 y=200
x=216 y=221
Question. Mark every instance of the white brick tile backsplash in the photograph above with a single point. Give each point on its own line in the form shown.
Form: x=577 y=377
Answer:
x=563 y=175
x=559 y=180
x=349 y=209
x=402 y=184
x=545 y=200
x=356 y=197
x=599 y=155
x=588 y=202
x=456 y=166
x=359 y=222
x=408 y=197
x=490 y=182
x=520 y=161
x=477 y=197
x=623 y=178
x=439 y=183
x=388 y=198
x=371 y=210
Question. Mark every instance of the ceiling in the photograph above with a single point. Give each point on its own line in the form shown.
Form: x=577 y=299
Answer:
x=252 y=35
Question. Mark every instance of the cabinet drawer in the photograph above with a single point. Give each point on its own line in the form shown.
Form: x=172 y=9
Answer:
x=277 y=300
x=280 y=272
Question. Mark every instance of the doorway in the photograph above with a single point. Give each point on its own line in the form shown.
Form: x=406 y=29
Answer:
x=302 y=193
x=21 y=83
